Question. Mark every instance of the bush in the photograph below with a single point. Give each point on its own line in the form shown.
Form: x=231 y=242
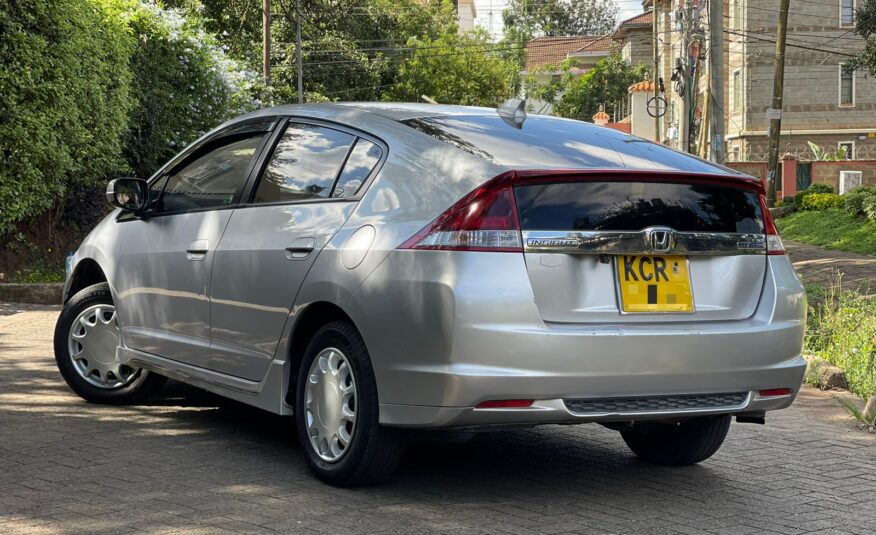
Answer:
x=822 y=201
x=782 y=211
x=870 y=208
x=857 y=198
x=841 y=328
x=813 y=188
x=183 y=83
x=64 y=99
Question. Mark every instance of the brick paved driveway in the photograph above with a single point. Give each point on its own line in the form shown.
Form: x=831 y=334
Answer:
x=191 y=462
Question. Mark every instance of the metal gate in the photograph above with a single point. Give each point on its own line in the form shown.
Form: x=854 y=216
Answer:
x=804 y=175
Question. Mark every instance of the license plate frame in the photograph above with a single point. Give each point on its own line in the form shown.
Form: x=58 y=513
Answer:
x=635 y=297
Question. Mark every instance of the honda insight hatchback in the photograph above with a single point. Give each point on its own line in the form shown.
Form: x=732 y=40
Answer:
x=375 y=268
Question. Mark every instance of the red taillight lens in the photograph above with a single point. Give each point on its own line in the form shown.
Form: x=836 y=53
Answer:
x=774 y=243
x=484 y=220
x=773 y=392
x=505 y=404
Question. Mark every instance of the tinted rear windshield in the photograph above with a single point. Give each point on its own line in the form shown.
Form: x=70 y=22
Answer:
x=553 y=143
x=637 y=205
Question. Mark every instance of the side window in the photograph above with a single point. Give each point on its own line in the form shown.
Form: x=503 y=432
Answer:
x=211 y=180
x=362 y=160
x=304 y=164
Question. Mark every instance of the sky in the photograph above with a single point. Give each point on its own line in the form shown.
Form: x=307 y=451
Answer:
x=493 y=24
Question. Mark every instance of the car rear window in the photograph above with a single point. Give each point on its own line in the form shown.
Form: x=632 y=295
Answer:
x=553 y=143
x=638 y=205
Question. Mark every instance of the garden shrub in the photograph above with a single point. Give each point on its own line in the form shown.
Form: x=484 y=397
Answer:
x=822 y=201
x=183 y=83
x=856 y=199
x=870 y=207
x=64 y=99
x=813 y=188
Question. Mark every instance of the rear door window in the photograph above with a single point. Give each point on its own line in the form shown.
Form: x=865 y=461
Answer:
x=304 y=165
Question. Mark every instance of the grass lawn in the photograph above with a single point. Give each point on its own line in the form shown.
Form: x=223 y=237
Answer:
x=833 y=229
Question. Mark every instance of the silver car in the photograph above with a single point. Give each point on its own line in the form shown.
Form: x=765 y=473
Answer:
x=375 y=268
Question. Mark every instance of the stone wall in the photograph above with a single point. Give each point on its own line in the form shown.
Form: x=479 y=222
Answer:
x=755 y=169
x=828 y=172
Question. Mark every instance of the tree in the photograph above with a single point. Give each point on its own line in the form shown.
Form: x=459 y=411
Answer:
x=865 y=26
x=527 y=19
x=606 y=85
x=455 y=69
x=351 y=49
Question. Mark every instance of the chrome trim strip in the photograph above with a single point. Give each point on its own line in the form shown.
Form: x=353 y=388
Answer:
x=642 y=242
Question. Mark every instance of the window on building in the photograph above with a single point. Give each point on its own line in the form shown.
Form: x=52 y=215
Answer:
x=846 y=86
x=847 y=12
x=737 y=14
x=848 y=148
x=737 y=89
x=736 y=155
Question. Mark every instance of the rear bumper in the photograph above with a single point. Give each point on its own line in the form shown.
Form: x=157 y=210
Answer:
x=466 y=330
x=556 y=411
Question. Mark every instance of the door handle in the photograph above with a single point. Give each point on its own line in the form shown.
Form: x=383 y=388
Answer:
x=197 y=250
x=300 y=248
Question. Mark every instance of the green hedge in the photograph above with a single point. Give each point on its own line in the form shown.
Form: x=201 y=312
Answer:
x=183 y=84
x=813 y=188
x=90 y=89
x=64 y=99
x=822 y=201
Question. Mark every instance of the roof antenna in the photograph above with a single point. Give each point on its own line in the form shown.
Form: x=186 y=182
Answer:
x=513 y=112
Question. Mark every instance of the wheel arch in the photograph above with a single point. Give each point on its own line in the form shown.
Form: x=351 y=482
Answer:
x=86 y=273
x=314 y=316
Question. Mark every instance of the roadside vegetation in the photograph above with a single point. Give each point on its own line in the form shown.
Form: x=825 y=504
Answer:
x=841 y=329
x=818 y=216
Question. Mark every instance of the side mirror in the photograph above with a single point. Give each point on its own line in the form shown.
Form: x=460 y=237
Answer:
x=129 y=194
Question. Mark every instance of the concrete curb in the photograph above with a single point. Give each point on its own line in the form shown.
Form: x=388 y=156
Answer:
x=40 y=294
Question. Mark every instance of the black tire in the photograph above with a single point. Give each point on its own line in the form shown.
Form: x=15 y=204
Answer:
x=143 y=385
x=375 y=451
x=689 y=442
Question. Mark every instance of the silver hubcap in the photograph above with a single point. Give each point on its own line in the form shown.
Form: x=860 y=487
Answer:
x=330 y=404
x=92 y=342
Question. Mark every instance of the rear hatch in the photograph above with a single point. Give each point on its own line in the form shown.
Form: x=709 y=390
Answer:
x=648 y=247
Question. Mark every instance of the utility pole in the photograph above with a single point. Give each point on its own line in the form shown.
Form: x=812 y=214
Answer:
x=716 y=78
x=298 y=51
x=685 y=123
x=266 y=41
x=775 y=113
x=656 y=76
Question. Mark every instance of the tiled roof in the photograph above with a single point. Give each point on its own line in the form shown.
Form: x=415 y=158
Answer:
x=641 y=18
x=599 y=44
x=543 y=51
x=646 y=86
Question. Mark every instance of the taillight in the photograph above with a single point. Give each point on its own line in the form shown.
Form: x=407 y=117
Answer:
x=484 y=220
x=774 y=243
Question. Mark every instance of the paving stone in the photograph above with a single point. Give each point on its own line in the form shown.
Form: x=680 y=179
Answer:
x=189 y=462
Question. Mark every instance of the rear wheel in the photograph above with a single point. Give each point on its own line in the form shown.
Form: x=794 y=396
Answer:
x=86 y=338
x=336 y=411
x=688 y=442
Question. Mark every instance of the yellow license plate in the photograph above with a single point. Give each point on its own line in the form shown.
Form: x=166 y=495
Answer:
x=651 y=283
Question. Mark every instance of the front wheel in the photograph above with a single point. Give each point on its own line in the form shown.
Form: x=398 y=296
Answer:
x=336 y=411
x=86 y=338
x=688 y=442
